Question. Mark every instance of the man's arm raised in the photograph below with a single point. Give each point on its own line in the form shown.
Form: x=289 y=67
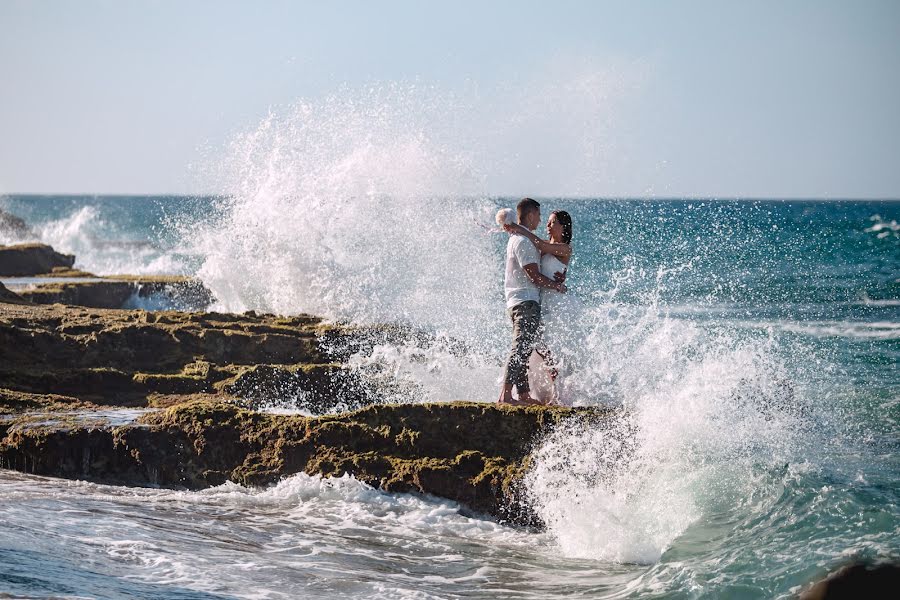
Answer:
x=559 y=250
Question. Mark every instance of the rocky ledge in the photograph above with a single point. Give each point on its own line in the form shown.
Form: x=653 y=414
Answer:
x=92 y=387
x=138 y=358
x=50 y=278
x=117 y=291
x=10 y=297
x=474 y=453
x=195 y=378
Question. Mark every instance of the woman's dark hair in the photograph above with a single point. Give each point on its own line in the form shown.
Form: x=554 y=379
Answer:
x=566 y=221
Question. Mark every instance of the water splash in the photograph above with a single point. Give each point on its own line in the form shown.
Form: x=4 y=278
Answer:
x=363 y=207
x=703 y=417
x=356 y=208
x=98 y=241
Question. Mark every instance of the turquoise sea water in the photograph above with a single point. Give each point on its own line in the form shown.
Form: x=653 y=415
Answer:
x=754 y=344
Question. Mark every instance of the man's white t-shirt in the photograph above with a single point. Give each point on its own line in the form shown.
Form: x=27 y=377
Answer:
x=520 y=251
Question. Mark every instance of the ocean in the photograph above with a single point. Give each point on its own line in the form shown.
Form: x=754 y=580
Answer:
x=753 y=344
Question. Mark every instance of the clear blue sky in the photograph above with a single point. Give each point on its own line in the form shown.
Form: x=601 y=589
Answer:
x=718 y=98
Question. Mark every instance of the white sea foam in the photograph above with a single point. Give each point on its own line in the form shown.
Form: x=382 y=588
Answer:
x=883 y=228
x=859 y=330
x=306 y=536
x=872 y=302
x=352 y=208
x=364 y=205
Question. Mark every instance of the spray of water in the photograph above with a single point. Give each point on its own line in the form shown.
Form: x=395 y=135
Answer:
x=98 y=244
x=360 y=207
x=704 y=418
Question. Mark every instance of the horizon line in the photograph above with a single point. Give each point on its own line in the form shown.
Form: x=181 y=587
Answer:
x=705 y=198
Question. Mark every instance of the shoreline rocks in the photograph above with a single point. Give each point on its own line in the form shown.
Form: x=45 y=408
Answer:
x=9 y=296
x=857 y=580
x=28 y=260
x=127 y=357
x=188 y=381
x=86 y=289
x=473 y=453
x=118 y=291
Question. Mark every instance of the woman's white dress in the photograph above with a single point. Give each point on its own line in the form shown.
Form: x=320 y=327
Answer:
x=554 y=337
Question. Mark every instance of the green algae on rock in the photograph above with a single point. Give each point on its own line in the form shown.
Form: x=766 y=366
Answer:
x=122 y=357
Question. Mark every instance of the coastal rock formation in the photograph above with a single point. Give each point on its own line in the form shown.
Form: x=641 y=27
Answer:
x=474 y=453
x=26 y=260
x=92 y=294
x=187 y=383
x=857 y=580
x=128 y=357
x=10 y=297
x=118 y=291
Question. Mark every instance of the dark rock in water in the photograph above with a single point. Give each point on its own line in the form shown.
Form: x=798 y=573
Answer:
x=772 y=397
x=857 y=581
x=13 y=227
x=10 y=297
x=92 y=294
x=26 y=260
x=474 y=453
x=119 y=290
x=180 y=292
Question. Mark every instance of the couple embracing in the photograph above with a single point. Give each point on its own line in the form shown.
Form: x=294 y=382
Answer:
x=534 y=285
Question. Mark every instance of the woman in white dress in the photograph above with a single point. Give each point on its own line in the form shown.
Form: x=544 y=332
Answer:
x=549 y=360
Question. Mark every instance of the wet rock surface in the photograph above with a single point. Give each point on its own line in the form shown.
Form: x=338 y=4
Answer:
x=858 y=580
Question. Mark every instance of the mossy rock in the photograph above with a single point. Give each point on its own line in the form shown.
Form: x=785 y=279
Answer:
x=399 y=448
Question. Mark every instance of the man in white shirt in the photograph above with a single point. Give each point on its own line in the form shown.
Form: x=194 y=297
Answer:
x=522 y=285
